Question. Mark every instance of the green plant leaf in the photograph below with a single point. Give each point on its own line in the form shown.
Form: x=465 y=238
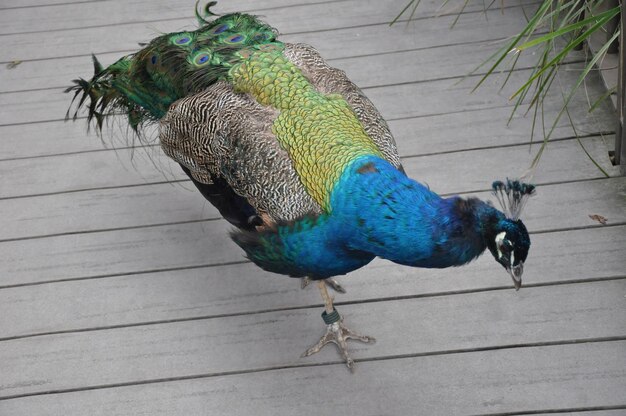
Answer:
x=569 y=28
x=570 y=45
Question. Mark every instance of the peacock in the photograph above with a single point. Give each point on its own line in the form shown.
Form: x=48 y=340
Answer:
x=297 y=158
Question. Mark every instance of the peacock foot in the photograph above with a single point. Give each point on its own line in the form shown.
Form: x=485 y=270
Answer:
x=330 y=282
x=338 y=334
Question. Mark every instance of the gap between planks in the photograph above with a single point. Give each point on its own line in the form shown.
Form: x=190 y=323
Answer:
x=314 y=306
x=544 y=344
x=530 y=3
x=169 y=19
x=571 y=411
x=286 y=33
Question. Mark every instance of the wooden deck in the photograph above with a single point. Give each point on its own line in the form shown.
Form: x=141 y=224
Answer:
x=120 y=293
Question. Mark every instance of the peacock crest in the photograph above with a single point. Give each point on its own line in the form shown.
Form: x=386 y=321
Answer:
x=512 y=196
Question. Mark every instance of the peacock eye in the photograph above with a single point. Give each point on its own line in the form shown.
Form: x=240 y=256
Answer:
x=506 y=246
x=237 y=38
x=219 y=29
x=201 y=59
x=182 y=40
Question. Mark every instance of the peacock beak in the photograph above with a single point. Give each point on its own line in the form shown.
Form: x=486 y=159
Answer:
x=516 y=274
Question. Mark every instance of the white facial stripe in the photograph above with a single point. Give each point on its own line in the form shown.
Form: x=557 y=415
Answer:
x=499 y=242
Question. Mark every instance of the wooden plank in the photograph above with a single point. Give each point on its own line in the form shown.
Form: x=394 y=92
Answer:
x=444 y=323
x=12 y=4
x=591 y=413
x=60 y=18
x=426 y=33
x=568 y=376
x=488 y=128
x=451 y=172
x=447 y=96
x=430 y=64
x=90 y=14
x=445 y=173
x=244 y=288
x=103 y=209
x=572 y=376
x=58 y=137
x=370 y=39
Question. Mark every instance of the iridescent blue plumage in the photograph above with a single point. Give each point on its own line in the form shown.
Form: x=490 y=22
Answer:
x=378 y=211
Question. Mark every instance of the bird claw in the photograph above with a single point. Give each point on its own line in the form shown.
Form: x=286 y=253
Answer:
x=332 y=283
x=338 y=334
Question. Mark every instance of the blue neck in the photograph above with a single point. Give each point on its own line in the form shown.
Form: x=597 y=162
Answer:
x=375 y=211
x=399 y=219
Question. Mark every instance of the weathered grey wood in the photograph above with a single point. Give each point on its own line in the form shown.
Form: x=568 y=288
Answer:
x=445 y=173
x=488 y=128
x=568 y=376
x=591 y=413
x=245 y=289
x=70 y=16
x=58 y=137
x=176 y=14
x=105 y=169
x=274 y=339
x=354 y=41
x=9 y=4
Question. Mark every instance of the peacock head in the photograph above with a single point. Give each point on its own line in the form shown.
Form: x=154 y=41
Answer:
x=510 y=247
x=509 y=241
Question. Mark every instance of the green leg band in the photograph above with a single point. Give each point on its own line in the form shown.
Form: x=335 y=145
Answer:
x=331 y=318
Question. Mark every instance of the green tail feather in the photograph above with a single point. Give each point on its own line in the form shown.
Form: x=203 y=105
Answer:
x=143 y=85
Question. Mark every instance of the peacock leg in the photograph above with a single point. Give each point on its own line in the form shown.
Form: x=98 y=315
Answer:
x=336 y=331
x=335 y=285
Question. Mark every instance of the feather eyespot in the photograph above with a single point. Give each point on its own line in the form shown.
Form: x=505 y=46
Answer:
x=154 y=59
x=237 y=38
x=181 y=39
x=201 y=59
x=219 y=29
